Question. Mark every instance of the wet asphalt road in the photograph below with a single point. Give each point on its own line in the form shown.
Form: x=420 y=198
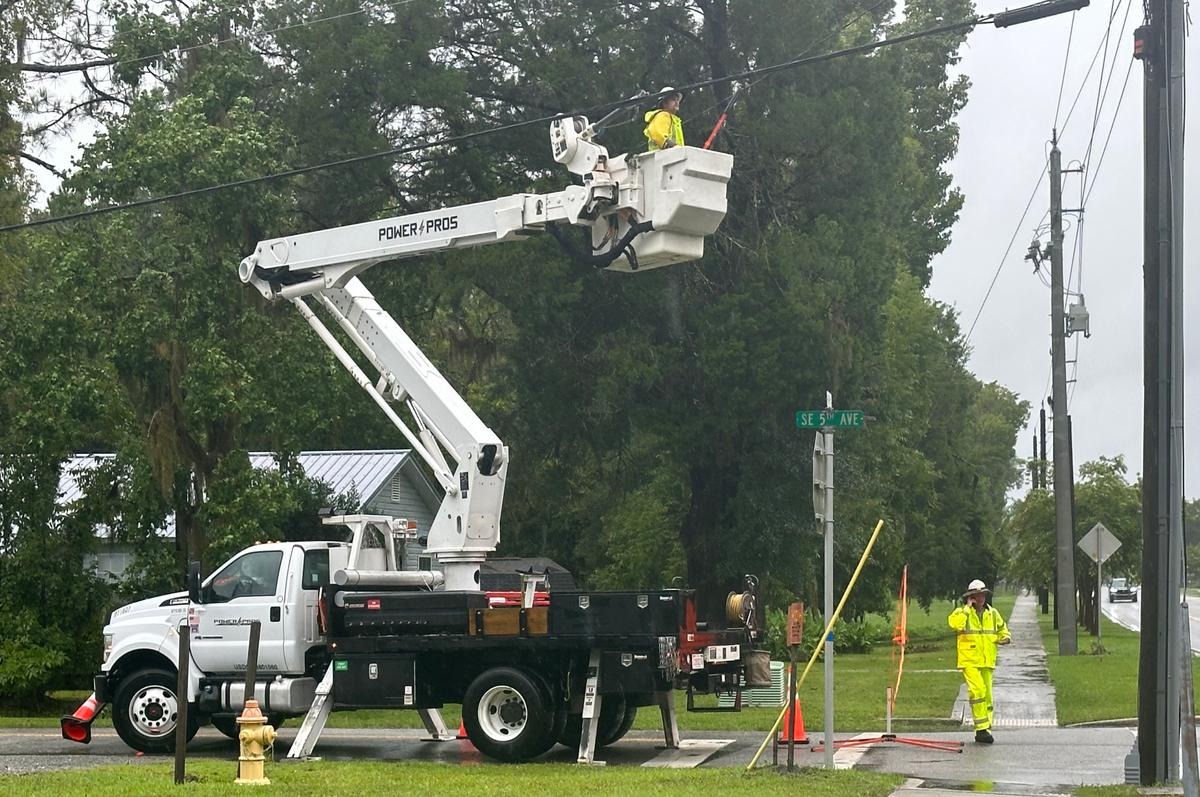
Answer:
x=1039 y=758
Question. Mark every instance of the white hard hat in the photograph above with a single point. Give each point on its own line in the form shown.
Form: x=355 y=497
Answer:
x=668 y=91
x=976 y=587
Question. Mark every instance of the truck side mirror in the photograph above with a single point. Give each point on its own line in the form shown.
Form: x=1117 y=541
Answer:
x=194 y=582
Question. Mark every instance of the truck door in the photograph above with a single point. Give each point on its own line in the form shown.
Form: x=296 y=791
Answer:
x=300 y=604
x=250 y=587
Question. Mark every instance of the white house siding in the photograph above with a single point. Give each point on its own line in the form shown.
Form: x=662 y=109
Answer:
x=406 y=495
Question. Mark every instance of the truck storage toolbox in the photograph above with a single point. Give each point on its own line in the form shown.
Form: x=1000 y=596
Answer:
x=364 y=680
x=616 y=614
x=366 y=613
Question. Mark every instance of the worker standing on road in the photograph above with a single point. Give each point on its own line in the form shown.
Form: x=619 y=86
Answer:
x=980 y=629
x=664 y=128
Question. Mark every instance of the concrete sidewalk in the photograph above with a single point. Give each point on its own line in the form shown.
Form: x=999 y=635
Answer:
x=1032 y=755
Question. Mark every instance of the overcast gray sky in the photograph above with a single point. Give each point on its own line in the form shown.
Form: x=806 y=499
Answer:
x=1005 y=129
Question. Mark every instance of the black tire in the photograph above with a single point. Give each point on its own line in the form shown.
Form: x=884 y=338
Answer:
x=144 y=712
x=507 y=715
x=227 y=723
x=626 y=723
x=613 y=713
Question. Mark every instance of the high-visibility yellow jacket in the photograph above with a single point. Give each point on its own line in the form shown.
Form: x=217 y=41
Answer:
x=662 y=126
x=978 y=635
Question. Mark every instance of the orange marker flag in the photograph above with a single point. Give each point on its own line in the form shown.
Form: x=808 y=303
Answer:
x=900 y=633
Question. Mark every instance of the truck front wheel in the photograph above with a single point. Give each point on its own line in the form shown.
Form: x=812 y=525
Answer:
x=146 y=711
x=507 y=716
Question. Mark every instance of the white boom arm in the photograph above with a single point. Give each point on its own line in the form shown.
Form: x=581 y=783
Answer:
x=644 y=211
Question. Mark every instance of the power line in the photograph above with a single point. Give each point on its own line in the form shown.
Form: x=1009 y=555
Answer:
x=1003 y=257
x=1063 y=80
x=1042 y=175
x=1003 y=19
x=1107 y=138
x=811 y=46
x=1087 y=76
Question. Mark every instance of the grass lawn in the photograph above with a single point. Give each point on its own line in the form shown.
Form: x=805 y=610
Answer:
x=1089 y=687
x=926 y=695
x=370 y=777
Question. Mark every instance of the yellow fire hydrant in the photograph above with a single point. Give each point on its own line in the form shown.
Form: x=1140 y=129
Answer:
x=253 y=738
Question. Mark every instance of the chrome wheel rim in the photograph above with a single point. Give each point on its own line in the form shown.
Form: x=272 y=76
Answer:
x=153 y=710
x=502 y=713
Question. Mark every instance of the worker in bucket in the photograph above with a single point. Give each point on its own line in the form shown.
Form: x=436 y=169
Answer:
x=664 y=128
x=980 y=630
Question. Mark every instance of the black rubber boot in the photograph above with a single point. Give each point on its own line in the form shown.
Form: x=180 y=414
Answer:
x=984 y=737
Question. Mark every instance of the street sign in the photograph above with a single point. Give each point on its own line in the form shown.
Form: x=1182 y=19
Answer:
x=795 y=624
x=1099 y=543
x=833 y=419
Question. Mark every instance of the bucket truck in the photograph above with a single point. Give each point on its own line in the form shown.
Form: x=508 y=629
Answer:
x=530 y=670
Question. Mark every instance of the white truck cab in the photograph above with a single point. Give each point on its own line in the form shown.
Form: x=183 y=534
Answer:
x=277 y=584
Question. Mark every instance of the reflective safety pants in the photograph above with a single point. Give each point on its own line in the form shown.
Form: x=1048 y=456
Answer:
x=979 y=695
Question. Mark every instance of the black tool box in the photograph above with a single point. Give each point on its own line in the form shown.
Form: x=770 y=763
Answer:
x=367 y=612
x=616 y=614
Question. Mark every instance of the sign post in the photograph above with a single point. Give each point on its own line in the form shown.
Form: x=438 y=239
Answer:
x=1099 y=544
x=824 y=422
x=795 y=638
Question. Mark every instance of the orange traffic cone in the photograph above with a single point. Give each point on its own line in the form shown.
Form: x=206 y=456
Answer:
x=78 y=726
x=793 y=725
x=462 y=730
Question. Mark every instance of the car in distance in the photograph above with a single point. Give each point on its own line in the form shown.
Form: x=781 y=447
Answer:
x=1119 y=589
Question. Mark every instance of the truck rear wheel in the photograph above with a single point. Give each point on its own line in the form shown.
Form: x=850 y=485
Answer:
x=146 y=711
x=507 y=715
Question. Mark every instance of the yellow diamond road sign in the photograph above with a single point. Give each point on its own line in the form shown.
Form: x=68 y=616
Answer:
x=1099 y=543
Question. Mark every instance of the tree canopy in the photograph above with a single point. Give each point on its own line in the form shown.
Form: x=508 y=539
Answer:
x=650 y=417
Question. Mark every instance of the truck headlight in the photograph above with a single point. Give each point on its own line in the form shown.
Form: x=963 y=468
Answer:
x=108 y=640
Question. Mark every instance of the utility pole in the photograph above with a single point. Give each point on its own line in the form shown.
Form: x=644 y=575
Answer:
x=1159 y=43
x=1064 y=536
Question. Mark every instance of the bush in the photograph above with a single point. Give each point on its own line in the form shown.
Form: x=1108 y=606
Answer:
x=851 y=636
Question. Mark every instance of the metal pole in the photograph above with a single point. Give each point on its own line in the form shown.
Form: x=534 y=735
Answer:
x=829 y=590
x=1099 y=634
x=1042 y=461
x=181 y=700
x=1159 y=704
x=252 y=660
x=1064 y=596
x=1176 y=43
x=791 y=717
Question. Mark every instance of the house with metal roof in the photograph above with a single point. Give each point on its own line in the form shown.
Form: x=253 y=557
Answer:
x=387 y=482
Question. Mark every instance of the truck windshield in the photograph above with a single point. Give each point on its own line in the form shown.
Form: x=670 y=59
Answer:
x=254 y=574
x=1118 y=583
